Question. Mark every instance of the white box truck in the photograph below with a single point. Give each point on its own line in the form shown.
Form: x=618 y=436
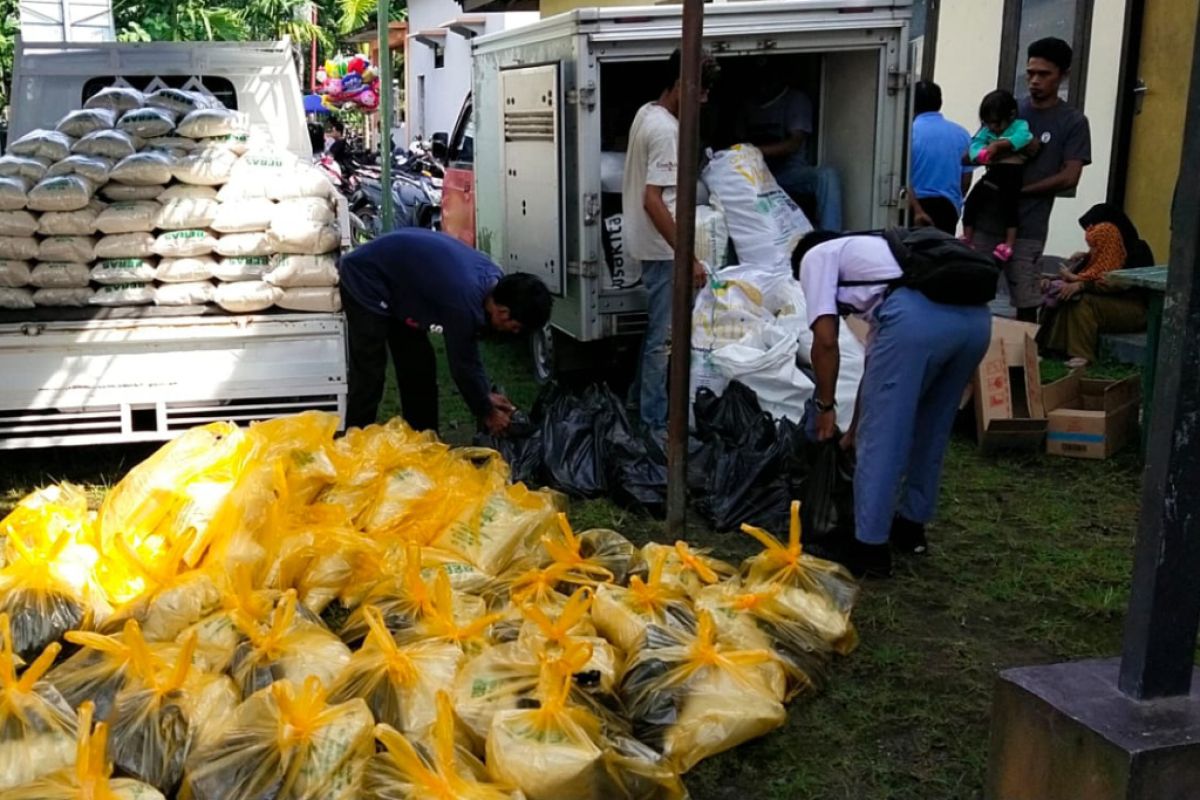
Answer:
x=553 y=99
x=87 y=376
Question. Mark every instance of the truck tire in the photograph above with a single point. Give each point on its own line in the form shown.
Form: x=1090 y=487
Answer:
x=544 y=353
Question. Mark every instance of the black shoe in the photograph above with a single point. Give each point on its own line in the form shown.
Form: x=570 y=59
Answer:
x=860 y=560
x=908 y=537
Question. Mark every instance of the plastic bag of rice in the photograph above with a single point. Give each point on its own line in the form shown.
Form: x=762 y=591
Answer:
x=60 y=275
x=290 y=271
x=123 y=294
x=116 y=98
x=186 y=212
x=180 y=101
x=208 y=166
x=190 y=242
x=239 y=142
x=245 y=244
x=80 y=123
x=108 y=144
x=302 y=236
x=77 y=249
x=246 y=297
x=61 y=193
x=244 y=189
x=129 y=216
x=14 y=193
x=113 y=271
x=95 y=168
x=119 y=192
x=147 y=123
x=27 y=167
x=178 y=191
x=16 y=299
x=186 y=270
x=18 y=223
x=14 y=274
x=304 y=181
x=18 y=248
x=75 y=298
x=241 y=268
x=126 y=245
x=152 y=167
x=41 y=143
x=264 y=165
x=193 y=293
x=207 y=122
x=302 y=209
x=311 y=298
x=176 y=145
x=244 y=216
x=71 y=223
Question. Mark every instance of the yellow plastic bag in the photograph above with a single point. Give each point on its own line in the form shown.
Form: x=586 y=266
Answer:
x=284 y=742
x=623 y=614
x=304 y=444
x=691 y=697
x=37 y=727
x=505 y=527
x=90 y=777
x=170 y=597
x=289 y=648
x=399 y=772
x=399 y=682
x=817 y=591
x=555 y=637
x=217 y=635
x=364 y=457
x=688 y=569
x=594 y=556
x=47 y=514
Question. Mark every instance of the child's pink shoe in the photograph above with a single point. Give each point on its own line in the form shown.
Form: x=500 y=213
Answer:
x=1002 y=252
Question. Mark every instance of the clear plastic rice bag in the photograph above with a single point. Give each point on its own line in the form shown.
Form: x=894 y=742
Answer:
x=116 y=98
x=290 y=648
x=594 y=556
x=622 y=614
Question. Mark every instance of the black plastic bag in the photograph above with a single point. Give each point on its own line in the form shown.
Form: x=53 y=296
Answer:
x=521 y=447
x=728 y=416
x=637 y=470
x=828 y=508
x=574 y=431
x=747 y=482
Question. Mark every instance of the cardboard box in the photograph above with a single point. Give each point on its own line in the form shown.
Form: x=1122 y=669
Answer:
x=1009 y=409
x=1089 y=418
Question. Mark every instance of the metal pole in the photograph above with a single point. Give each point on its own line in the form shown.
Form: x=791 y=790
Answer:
x=681 y=290
x=386 y=114
x=1164 y=607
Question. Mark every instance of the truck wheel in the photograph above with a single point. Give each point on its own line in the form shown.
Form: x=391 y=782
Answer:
x=541 y=346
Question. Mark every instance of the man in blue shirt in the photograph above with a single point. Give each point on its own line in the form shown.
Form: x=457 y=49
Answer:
x=399 y=288
x=938 y=178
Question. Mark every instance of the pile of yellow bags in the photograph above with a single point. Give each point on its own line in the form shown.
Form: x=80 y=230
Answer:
x=274 y=612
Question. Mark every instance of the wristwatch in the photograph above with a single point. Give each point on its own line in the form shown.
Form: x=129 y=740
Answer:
x=824 y=407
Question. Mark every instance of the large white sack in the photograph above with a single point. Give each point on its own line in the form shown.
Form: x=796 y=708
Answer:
x=264 y=166
x=60 y=275
x=764 y=223
x=61 y=193
x=40 y=143
x=116 y=98
x=185 y=270
x=239 y=189
x=146 y=123
x=311 y=298
x=150 y=168
x=208 y=166
x=16 y=299
x=179 y=191
x=204 y=123
x=243 y=216
x=126 y=245
x=123 y=294
x=114 y=271
x=194 y=293
x=295 y=271
x=95 y=168
x=174 y=146
x=712 y=237
x=769 y=369
x=305 y=180
x=18 y=223
x=107 y=144
x=303 y=209
x=726 y=312
x=129 y=217
x=71 y=223
x=18 y=248
x=241 y=268
x=120 y=193
x=14 y=193
x=255 y=244
x=80 y=123
x=180 y=244
x=180 y=101
x=14 y=274
x=185 y=212
x=302 y=236
x=77 y=249
x=28 y=167
x=246 y=297
x=75 y=298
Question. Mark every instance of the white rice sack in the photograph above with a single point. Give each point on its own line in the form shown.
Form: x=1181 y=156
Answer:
x=16 y=299
x=241 y=268
x=18 y=223
x=41 y=143
x=293 y=271
x=246 y=297
x=304 y=181
x=303 y=209
x=150 y=168
x=186 y=270
x=88 y=120
x=108 y=144
x=129 y=216
x=245 y=244
x=208 y=166
x=244 y=189
x=123 y=294
x=147 y=123
x=243 y=216
x=95 y=168
x=27 y=167
x=77 y=249
x=113 y=271
x=302 y=236
x=119 y=192
x=264 y=165
x=60 y=275
x=176 y=145
x=61 y=193
x=186 y=212
x=239 y=142
x=126 y=245
x=14 y=274
x=18 y=248
x=194 y=293
x=180 y=101
x=179 y=191
x=207 y=122
x=180 y=244
x=13 y=193
x=116 y=98
x=74 y=298
x=311 y=298
x=71 y=223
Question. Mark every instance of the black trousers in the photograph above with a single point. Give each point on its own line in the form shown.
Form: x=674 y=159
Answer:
x=942 y=212
x=999 y=194
x=370 y=336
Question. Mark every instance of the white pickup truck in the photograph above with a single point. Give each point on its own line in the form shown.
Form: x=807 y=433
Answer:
x=93 y=375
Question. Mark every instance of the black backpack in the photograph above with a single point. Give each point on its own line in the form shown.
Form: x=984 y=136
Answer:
x=943 y=268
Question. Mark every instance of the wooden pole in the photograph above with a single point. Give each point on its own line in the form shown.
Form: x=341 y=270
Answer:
x=386 y=115
x=681 y=290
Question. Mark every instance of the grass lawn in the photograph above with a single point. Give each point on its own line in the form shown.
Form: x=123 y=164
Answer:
x=1031 y=563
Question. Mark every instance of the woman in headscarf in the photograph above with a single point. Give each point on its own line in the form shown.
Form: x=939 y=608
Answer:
x=1080 y=304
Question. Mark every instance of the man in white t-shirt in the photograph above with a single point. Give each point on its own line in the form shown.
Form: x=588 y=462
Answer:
x=920 y=356
x=648 y=196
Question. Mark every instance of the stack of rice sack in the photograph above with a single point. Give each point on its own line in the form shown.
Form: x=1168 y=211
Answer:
x=272 y=613
x=162 y=199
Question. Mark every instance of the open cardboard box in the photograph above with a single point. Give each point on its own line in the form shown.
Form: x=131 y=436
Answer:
x=1010 y=413
x=1088 y=418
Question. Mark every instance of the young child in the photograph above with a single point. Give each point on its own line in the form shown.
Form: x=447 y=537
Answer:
x=998 y=145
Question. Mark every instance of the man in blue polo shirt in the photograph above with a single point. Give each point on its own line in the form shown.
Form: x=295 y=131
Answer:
x=401 y=287
x=938 y=178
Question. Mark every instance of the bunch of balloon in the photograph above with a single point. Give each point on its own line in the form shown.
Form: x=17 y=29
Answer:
x=348 y=83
